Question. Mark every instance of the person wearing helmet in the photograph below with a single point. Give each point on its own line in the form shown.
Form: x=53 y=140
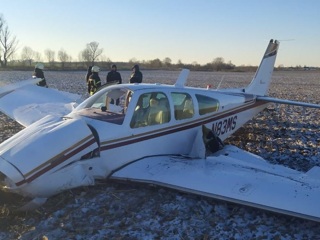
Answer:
x=38 y=73
x=136 y=75
x=94 y=80
x=89 y=72
x=114 y=77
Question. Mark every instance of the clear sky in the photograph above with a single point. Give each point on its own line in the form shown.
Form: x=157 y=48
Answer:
x=189 y=30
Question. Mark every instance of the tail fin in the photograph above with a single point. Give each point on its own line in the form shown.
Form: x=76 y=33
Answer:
x=261 y=81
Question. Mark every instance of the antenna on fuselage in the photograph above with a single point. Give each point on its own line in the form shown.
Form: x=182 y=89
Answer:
x=182 y=79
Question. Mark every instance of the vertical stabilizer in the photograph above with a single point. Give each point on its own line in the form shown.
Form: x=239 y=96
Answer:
x=261 y=81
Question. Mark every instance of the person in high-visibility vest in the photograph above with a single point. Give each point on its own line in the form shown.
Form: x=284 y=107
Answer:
x=94 y=80
x=87 y=77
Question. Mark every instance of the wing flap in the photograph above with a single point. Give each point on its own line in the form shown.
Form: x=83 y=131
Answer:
x=233 y=175
x=27 y=103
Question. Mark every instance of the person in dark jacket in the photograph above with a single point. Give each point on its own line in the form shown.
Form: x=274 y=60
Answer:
x=89 y=72
x=38 y=73
x=94 y=80
x=114 y=76
x=136 y=75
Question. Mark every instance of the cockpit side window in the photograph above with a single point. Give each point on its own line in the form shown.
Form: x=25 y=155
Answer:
x=152 y=109
x=183 y=105
x=207 y=104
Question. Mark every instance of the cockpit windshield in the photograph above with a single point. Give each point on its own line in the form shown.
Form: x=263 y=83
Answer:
x=108 y=105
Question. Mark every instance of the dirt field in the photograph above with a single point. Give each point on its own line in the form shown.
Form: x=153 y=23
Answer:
x=281 y=134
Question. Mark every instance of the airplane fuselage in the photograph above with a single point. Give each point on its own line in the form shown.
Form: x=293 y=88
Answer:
x=97 y=141
x=121 y=144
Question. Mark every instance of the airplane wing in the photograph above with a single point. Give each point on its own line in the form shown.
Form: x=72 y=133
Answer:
x=26 y=103
x=236 y=176
x=288 y=102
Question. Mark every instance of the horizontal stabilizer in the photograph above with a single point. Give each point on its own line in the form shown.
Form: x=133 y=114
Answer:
x=236 y=176
x=288 y=102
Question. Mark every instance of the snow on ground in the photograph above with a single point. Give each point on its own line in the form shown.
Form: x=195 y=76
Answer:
x=281 y=134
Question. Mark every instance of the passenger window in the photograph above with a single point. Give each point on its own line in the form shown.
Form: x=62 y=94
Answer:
x=207 y=104
x=183 y=105
x=152 y=108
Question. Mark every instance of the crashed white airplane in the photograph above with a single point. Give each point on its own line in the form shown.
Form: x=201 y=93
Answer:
x=157 y=134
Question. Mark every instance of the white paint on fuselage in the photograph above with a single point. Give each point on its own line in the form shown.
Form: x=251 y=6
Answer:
x=121 y=144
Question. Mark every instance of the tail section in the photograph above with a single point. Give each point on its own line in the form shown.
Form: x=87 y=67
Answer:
x=261 y=81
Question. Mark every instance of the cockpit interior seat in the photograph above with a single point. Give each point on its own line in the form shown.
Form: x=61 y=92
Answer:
x=188 y=109
x=159 y=112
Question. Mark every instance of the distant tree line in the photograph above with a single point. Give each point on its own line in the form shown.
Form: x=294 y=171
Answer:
x=92 y=54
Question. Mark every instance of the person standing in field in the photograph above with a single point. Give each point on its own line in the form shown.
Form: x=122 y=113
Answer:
x=89 y=72
x=94 y=80
x=38 y=73
x=136 y=75
x=112 y=77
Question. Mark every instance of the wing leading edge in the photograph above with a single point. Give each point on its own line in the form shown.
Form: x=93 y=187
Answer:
x=26 y=103
x=236 y=176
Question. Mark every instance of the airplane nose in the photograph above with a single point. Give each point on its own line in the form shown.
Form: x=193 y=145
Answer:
x=5 y=182
x=2 y=180
x=9 y=175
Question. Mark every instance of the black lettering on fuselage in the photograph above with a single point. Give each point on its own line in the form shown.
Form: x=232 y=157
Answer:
x=224 y=126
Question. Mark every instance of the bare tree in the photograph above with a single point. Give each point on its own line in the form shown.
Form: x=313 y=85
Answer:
x=155 y=63
x=50 y=54
x=1 y=26
x=133 y=60
x=92 y=52
x=85 y=56
x=8 y=43
x=37 y=56
x=167 y=61
x=27 y=55
x=63 y=57
x=195 y=63
x=218 y=63
x=104 y=58
x=179 y=63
